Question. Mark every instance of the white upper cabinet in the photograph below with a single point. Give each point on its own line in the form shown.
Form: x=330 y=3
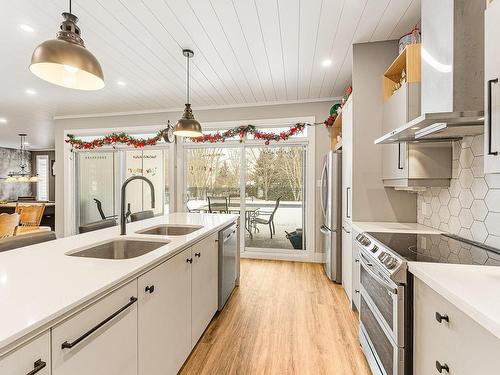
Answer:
x=31 y=358
x=204 y=285
x=164 y=322
x=100 y=339
x=492 y=89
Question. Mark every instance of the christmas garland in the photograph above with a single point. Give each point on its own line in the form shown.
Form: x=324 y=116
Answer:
x=243 y=130
x=114 y=139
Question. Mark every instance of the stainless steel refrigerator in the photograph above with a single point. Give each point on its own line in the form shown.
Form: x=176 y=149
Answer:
x=331 y=229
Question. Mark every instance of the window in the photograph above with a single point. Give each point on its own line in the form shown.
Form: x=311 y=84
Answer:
x=42 y=169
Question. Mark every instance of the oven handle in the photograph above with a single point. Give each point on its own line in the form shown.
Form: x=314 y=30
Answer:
x=379 y=279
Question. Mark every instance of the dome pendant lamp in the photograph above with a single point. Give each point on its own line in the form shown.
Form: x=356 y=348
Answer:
x=187 y=126
x=65 y=61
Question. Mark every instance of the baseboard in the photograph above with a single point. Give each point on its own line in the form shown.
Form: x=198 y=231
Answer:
x=309 y=258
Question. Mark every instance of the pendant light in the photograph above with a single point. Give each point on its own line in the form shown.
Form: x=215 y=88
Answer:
x=65 y=61
x=22 y=175
x=187 y=126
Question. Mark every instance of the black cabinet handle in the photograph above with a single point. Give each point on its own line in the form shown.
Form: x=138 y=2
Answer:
x=399 y=156
x=356 y=260
x=197 y=255
x=440 y=317
x=189 y=260
x=150 y=289
x=490 y=84
x=69 y=345
x=347 y=189
x=441 y=367
x=356 y=291
x=37 y=366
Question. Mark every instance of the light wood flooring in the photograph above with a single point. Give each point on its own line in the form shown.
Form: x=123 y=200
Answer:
x=285 y=318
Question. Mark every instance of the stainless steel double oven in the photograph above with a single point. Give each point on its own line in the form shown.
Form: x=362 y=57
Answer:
x=384 y=312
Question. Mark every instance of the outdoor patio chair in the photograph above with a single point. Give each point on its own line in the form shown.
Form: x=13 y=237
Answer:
x=257 y=219
x=217 y=204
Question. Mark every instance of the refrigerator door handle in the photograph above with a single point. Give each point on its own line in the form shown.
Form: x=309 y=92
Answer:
x=324 y=229
x=321 y=190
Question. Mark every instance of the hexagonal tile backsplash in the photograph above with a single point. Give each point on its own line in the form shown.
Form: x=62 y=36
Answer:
x=470 y=207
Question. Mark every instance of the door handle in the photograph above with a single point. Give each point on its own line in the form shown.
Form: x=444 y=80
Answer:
x=37 y=366
x=399 y=156
x=347 y=189
x=69 y=345
x=490 y=84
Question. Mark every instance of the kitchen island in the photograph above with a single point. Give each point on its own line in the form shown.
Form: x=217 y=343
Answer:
x=42 y=289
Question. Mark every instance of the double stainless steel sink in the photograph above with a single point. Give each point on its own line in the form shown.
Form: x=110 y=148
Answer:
x=170 y=230
x=120 y=249
x=126 y=248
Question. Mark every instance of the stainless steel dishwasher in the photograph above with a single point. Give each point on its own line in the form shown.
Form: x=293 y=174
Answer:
x=227 y=263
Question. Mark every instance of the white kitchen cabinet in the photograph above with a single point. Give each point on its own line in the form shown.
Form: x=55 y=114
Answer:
x=30 y=358
x=356 y=295
x=204 y=285
x=347 y=123
x=347 y=259
x=164 y=321
x=78 y=348
x=457 y=342
x=492 y=89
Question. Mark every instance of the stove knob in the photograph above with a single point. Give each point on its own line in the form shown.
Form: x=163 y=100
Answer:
x=359 y=237
x=383 y=255
x=391 y=263
x=374 y=249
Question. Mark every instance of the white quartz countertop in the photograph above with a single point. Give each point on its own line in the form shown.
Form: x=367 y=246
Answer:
x=39 y=283
x=379 y=226
x=472 y=289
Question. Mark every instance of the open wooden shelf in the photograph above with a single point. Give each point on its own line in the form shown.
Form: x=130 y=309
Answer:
x=409 y=60
x=335 y=130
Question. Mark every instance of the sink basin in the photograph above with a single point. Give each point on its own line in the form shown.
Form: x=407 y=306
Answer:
x=119 y=249
x=170 y=230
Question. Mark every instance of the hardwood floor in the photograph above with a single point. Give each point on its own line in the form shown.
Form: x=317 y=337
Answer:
x=285 y=318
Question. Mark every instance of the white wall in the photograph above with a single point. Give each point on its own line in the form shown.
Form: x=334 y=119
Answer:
x=239 y=115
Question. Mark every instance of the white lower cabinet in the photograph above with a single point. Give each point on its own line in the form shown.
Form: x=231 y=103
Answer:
x=78 y=348
x=164 y=322
x=356 y=295
x=204 y=285
x=447 y=341
x=30 y=358
x=347 y=259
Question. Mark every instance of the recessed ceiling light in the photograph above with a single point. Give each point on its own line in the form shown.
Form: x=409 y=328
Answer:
x=26 y=28
x=121 y=83
x=30 y=92
x=326 y=62
x=3 y=120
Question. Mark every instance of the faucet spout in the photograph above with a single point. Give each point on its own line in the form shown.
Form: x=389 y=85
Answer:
x=123 y=216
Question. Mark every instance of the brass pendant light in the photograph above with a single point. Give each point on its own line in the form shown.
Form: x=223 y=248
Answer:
x=65 y=61
x=187 y=126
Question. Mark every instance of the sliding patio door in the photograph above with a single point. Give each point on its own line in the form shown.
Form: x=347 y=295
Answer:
x=275 y=197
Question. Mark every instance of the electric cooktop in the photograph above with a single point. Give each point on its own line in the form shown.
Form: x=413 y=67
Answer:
x=438 y=248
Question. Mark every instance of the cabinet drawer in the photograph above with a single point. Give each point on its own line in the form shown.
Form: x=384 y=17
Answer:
x=457 y=341
x=110 y=349
x=32 y=357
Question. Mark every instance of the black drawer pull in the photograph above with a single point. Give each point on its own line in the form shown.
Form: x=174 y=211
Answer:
x=150 y=289
x=69 y=345
x=440 y=317
x=37 y=366
x=197 y=255
x=441 y=367
x=189 y=260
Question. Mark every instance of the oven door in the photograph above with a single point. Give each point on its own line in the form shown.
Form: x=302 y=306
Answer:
x=382 y=354
x=385 y=297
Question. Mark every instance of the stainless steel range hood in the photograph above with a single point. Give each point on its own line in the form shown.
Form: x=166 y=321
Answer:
x=437 y=126
x=452 y=96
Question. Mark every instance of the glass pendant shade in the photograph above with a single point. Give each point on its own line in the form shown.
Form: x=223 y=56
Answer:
x=187 y=126
x=34 y=179
x=11 y=179
x=65 y=61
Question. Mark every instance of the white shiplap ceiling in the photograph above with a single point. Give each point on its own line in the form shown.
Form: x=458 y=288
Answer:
x=246 y=51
